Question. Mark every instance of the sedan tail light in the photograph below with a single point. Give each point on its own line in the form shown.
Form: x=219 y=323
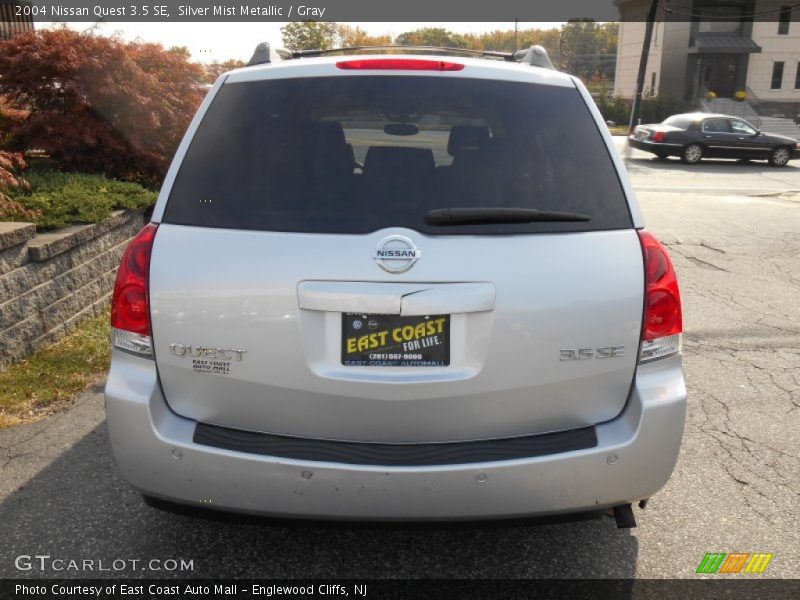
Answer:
x=663 y=316
x=130 y=304
x=658 y=136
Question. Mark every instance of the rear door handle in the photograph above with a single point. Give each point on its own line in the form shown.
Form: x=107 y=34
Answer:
x=450 y=298
x=396 y=298
x=355 y=296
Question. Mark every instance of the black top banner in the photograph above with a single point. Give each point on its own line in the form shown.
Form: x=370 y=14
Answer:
x=395 y=10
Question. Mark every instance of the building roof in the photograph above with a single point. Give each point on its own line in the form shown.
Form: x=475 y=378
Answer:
x=713 y=42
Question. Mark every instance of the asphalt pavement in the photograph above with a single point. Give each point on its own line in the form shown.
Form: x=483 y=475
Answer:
x=734 y=234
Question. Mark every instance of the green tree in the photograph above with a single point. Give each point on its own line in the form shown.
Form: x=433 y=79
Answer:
x=608 y=34
x=432 y=36
x=348 y=35
x=588 y=49
x=502 y=40
x=309 y=35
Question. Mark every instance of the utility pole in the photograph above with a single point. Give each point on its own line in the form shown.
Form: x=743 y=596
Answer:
x=648 y=35
x=558 y=51
x=516 y=27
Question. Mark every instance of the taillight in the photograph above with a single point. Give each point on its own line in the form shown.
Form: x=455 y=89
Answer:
x=399 y=64
x=130 y=306
x=663 y=317
x=658 y=136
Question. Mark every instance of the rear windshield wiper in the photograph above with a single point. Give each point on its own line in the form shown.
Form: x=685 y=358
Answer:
x=488 y=215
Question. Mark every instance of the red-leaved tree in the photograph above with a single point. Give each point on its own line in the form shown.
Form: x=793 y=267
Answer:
x=99 y=104
x=214 y=69
x=11 y=210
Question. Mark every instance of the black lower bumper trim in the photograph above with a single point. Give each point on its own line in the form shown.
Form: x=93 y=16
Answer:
x=395 y=455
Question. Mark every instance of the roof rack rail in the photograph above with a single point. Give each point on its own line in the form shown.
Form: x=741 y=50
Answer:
x=261 y=55
x=437 y=49
x=264 y=54
x=535 y=55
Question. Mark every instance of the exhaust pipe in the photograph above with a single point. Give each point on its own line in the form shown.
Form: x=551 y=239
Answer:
x=623 y=515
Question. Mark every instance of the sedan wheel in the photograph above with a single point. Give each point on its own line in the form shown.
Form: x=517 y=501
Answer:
x=692 y=154
x=779 y=158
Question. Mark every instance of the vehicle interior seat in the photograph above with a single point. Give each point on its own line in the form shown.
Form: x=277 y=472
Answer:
x=717 y=126
x=466 y=144
x=397 y=174
x=320 y=151
x=481 y=172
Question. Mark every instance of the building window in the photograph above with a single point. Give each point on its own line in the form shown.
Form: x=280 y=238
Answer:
x=777 y=75
x=10 y=24
x=784 y=20
x=797 y=78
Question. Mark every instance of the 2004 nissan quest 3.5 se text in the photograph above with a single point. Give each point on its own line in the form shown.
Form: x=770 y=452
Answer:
x=397 y=286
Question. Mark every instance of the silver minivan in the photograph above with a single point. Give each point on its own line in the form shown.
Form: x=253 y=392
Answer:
x=397 y=287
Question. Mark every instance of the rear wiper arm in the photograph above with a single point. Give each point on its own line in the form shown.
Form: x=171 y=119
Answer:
x=487 y=215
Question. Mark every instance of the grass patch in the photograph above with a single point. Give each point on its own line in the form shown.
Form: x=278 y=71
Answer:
x=619 y=130
x=67 y=198
x=48 y=380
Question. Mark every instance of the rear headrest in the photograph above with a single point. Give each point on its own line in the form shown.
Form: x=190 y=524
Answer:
x=329 y=133
x=322 y=145
x=397 y=161
x=298 y=136
x=318 y=147
x=467 y=137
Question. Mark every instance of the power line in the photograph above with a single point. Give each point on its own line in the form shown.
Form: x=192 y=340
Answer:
x=722 y=15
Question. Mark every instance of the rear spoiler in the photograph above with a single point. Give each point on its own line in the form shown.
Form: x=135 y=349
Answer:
x=535 y=56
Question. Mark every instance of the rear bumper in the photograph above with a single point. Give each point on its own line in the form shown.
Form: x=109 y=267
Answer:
x=655 y=147
x=633 y=459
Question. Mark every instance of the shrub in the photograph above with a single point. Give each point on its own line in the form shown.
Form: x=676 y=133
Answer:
x=10 y=163
x=10 y=118
x=11 y=210
x=655 y=110
x=10 y=181
x=651 y=110
x=614 y=109
x=62 y=199
x=99 y=104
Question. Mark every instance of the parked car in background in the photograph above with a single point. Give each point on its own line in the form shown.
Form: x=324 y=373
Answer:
x=694 y=136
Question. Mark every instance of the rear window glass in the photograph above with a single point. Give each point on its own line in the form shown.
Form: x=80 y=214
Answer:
x=679 y=121
x=356 y=154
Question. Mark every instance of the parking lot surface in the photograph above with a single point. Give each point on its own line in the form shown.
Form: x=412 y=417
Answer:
x=734 y=234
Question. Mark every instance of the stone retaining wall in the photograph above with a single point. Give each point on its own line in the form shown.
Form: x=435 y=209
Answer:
x=51 y=282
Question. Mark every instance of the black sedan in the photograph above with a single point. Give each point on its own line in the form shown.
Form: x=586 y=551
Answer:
x=694 y=136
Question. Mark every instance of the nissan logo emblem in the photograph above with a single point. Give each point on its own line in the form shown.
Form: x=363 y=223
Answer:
x=396 y=254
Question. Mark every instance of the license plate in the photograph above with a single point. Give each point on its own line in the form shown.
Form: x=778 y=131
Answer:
x=395 y=341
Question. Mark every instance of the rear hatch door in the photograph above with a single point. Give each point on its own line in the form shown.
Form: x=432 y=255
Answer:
x=276 y=306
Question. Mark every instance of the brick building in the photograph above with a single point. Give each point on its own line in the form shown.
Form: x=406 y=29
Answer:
x=10 y=23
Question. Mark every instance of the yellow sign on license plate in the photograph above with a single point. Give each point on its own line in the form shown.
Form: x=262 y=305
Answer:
x=395 y=341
